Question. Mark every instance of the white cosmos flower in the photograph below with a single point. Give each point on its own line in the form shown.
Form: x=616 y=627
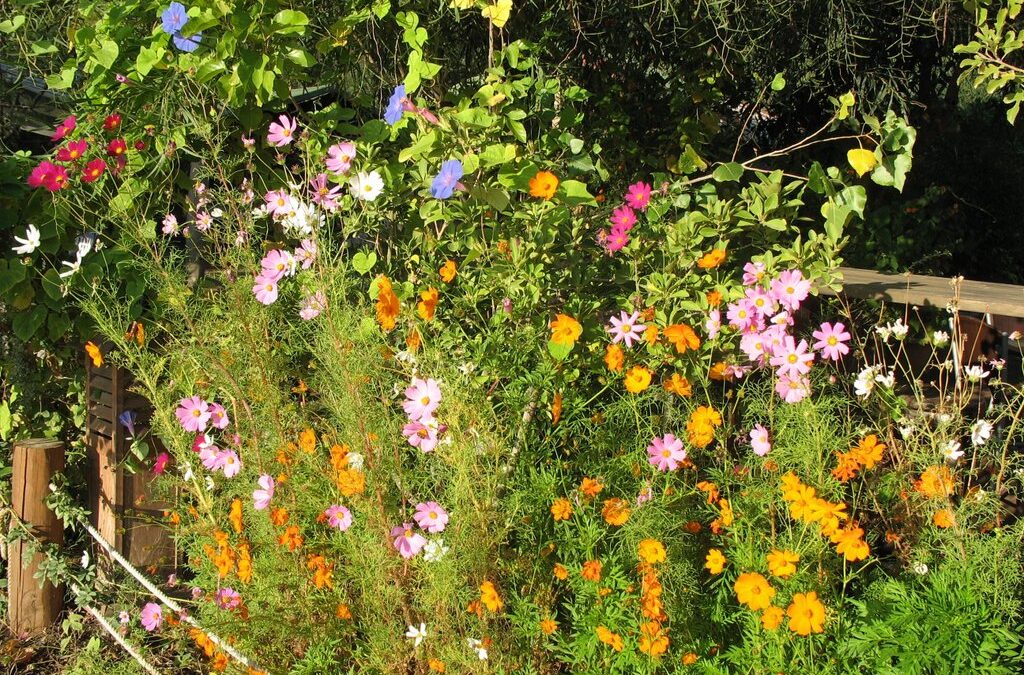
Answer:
x=417 y=634
x=434 y=550
x=300 y=220
x=975 y=373
x=478 y=647
x=72 y=267
x=951 y=451
x=865 y=382
x=921 y=568
x=899 y=329
x=887 y=381
x=30 y=243
x=355 y=460
x=981 y=431
x=366 y=186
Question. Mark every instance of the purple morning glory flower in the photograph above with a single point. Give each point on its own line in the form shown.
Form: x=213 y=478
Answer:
x=396 y=106
x=446 y=179
x=187 y=44
x=174 y=18
x=127 y=420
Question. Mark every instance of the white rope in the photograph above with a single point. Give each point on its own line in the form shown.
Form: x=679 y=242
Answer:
x=117 y=637
x=170 y=603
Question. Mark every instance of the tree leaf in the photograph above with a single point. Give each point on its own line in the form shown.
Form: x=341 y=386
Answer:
x=861 y=160
x=731 y=171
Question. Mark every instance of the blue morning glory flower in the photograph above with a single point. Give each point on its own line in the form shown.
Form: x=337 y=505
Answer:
x=127 y=419
x=446 y=179
x=174 y=18
x=187 y=44
x=396 y=106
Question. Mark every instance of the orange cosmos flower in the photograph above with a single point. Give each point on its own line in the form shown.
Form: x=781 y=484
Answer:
x=806 y=614
x=235 y=515
x=565 y=330
x=616 y=511
x=279 y=516
x=560 y=572
x=489 y=597
x=591 y=571
x=343 y=612
x=609 y=638
x=387 y=304
x=94 y=353
x=543 y=185
x=448 y=271
x=548 y=626
x=754 y=591
x=351 y=482
x=653 y=640
x=936 y=481
x=244 y=563
x=678 y=385
x=689 y=658
x=556 y=408
x=783 y=565
x=561 y=509
x=291 y=538
x=682 y=337
x=638 y=379
x=614 y=357
x=714 y=298
x=590 y=487
x=943 y=518
x=436 y=665
x=771 y=618
x=714 y=562
x=712 y=259
x=307 y=440
x=427 y=305
x=651 y=551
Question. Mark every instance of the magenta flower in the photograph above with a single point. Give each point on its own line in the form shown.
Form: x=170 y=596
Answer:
x=262 y=495
x=72 y=151
x=422 y=434
x=265 y=290
x=407 y=541
x=339 y=517
x=324 y=195
x=340 y=156
x=218 y=416
x=792 y=359
x=151 y=616
x=201 y=442
x=753 y=272
x=790 y=289
x=666 y=453
x=623 y=219
x=616 y=240
x=193 y=413
x=792 y=389
x=229 y=462
x=431 y=517
x=65 y=127
x=759 y=440
x=423 y=397
x=160 y=465
x=282 y=134
x=831 y=340
x=228 y=598
x=276 y=265
x=713 y=324
x=626 y=328
x=638 y=195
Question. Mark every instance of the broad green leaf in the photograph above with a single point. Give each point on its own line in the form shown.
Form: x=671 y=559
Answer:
x=478 y=117
x=300 y=57
x=575 y=192
x=11 y=272
x=106 y=53
x=731 y=171
x=558 y=351
x=290 y=21
x=778 y=82
x=422 y=145
x=12 y=24
x=25 y=324
x=497 y=154
x=363 y=262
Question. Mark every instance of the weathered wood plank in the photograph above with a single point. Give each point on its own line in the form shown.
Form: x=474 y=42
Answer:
x=928 y=291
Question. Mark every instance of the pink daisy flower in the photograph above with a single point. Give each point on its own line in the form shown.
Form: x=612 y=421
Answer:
x=340 y=156
x=831 y=340
x=265 y=290
x=229 y=462
x=218 y=416
x=211 y=457
x=756 y=346
x=306 y=253
x=313 y=305
x=753 y=272
x=407 y=541
x=759 y=440
x=228 y=598
x=277 y=264
x=616 y=240
x=423 y=397
x=193 y=413
x=793 y=389
x=262 y=495
x=666 y=453
x=324 y=195
x=638 y=195
x=151 y=616
x=72 y=151
x=623 y=219
x=762 y=301
x=282 y=134
x=713 y=324
x=741 y=314
x=790 y=289
x=338 y=517
x=626 y=328
x=430 y=517
x=422 y=434
x=278 y=201
x=792 y=359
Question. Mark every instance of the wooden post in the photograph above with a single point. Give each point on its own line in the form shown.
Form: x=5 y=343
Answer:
x=31 y=607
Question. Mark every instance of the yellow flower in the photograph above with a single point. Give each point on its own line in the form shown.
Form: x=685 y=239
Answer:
x=653 y=640
x=565 y=330
x=715 y=561
x=613 y=358
x=943 y=518
x=447 y=271
x=712 y=260
x=463 y=4
x=428 y=304
x=637 y=379
x=806 y=614
x=725 y=514
x=869 y=451
x=437 y=665
x=94 y=353
x=544 y=183
x=498 y=13
x=754 y=591
x=783 y=565
x=771 y=617
x=561 y=509
x=651 y=551
x=700 y=427
x=615 y=511
x=560 y=572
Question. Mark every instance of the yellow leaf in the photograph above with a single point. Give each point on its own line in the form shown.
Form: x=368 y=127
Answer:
x=498 y=13
x=861 y=160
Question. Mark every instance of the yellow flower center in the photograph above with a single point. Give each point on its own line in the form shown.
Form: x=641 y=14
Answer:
x=832 y=341
x=425 y=400
x=792 y=358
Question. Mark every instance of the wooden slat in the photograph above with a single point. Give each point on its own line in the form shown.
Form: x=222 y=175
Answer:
x=103 y=412
x=101 y=383
x=927 y=291
x=100 y=426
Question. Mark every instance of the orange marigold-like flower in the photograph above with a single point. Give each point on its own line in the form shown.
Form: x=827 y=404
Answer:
x=387 y=304
x=351 y=482
x=689 y=658
x=561 y=509
x=850 y=543
x=771 y=618
x=565 y=330
x=343 y=612
x=754 y=591
x=489 y=597
x=783 y=565
x=701 y=425
x=717 y=372
x=279 y=516
x=943 y=518
x=609 y=638
x=678 y=385
x=653 y=639
x=556 y=408
x=548 y=626
x=682 y=337
x=591 y=571
x=869 y=451
x=437 y=665
x=235 y=515
x=710 y=488
x=413 y=340
x=714 y=298
x=448 y=271
x=714 y=562
x=936 y=481
x=291 y=538
x=616 y=511
x=806 y=614
x=427 y=305
x=94 y=353
x=712 y=259
x=590 y=487
x=638 y=379
x=651 y=335
x=543 y=185
x=725 y=513
x=560 y=572
x=244 y=563
x=614 y=358
x=651 y=551
x=307 y=440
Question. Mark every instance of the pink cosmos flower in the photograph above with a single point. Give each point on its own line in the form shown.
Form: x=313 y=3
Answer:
x=160 y=465
x=422 y=434
x=65 y=127
x=197 y=593
x=338 y=517
x=248 y=142
x=762 y=301
x=212 y=457
x=72 y=151
x=793 y=389
x=306 y=253
x=430 y=517
x=325 y=196
x=626 y=328
x=218 y=416
x=228 y=598
x=756 y=346
x=193 y=413
x=407 y=541
x=831 y=340
x=278 y=201
x=277 y=264
x=792 y=359
x=313 y=305
x=340 y=156
x=229 y=462
x=203 y=221
x=265 y=290
x=423 y=397
x=51 y=177
x=201 y=442
x=753 y=272
x=735 y=371
x=790 y=289
x=638 y=195
x=151 y=616
x=262 y=495
x=623 y=219
x=666 y=453
x=741 y=314
x=713 y=324
x=645 y=495
x=124 y=617
x=282 y=134
x=759 y=440
x=170 y=224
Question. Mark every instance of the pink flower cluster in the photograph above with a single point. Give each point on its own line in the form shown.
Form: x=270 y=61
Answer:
x=430 y=517
x=278 y=264
x=422 y=399
x=763 y=318
x=638 y=196
x=196 y=415
x=71 y=157
x=228 y=598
